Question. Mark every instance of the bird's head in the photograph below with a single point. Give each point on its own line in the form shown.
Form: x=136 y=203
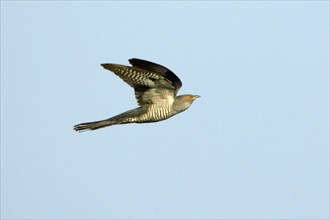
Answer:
x=183 y=102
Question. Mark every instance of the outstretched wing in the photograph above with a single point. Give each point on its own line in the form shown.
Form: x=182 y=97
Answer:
x=158 y=69
x=152 y=83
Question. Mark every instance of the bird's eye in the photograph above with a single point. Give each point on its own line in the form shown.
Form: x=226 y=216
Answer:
x=187 y=98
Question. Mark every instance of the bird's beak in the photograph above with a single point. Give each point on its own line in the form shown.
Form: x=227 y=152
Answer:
x=196 y=96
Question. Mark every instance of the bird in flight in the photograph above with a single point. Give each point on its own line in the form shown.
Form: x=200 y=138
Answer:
x=155 y=88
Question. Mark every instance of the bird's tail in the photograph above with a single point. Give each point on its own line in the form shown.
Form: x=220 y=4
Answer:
x=94 y=125
x=123 y=118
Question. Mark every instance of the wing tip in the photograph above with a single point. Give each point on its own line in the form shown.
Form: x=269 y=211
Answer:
x=109 y=66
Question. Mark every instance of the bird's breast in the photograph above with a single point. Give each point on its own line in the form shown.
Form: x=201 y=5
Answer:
x=156 y=113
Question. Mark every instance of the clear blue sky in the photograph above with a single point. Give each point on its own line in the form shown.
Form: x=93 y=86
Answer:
x=256 y=145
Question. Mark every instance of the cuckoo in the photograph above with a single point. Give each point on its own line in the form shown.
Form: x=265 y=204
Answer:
x=155 y=88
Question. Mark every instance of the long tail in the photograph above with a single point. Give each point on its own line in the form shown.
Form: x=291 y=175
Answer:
x=123 y=118
x=94 y=125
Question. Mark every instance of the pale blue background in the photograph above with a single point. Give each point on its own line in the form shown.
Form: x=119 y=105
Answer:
x=255 y=145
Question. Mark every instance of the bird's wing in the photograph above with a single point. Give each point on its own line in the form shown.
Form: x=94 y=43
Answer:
x=152 y=83
x=154 y=96
x=158 y=69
